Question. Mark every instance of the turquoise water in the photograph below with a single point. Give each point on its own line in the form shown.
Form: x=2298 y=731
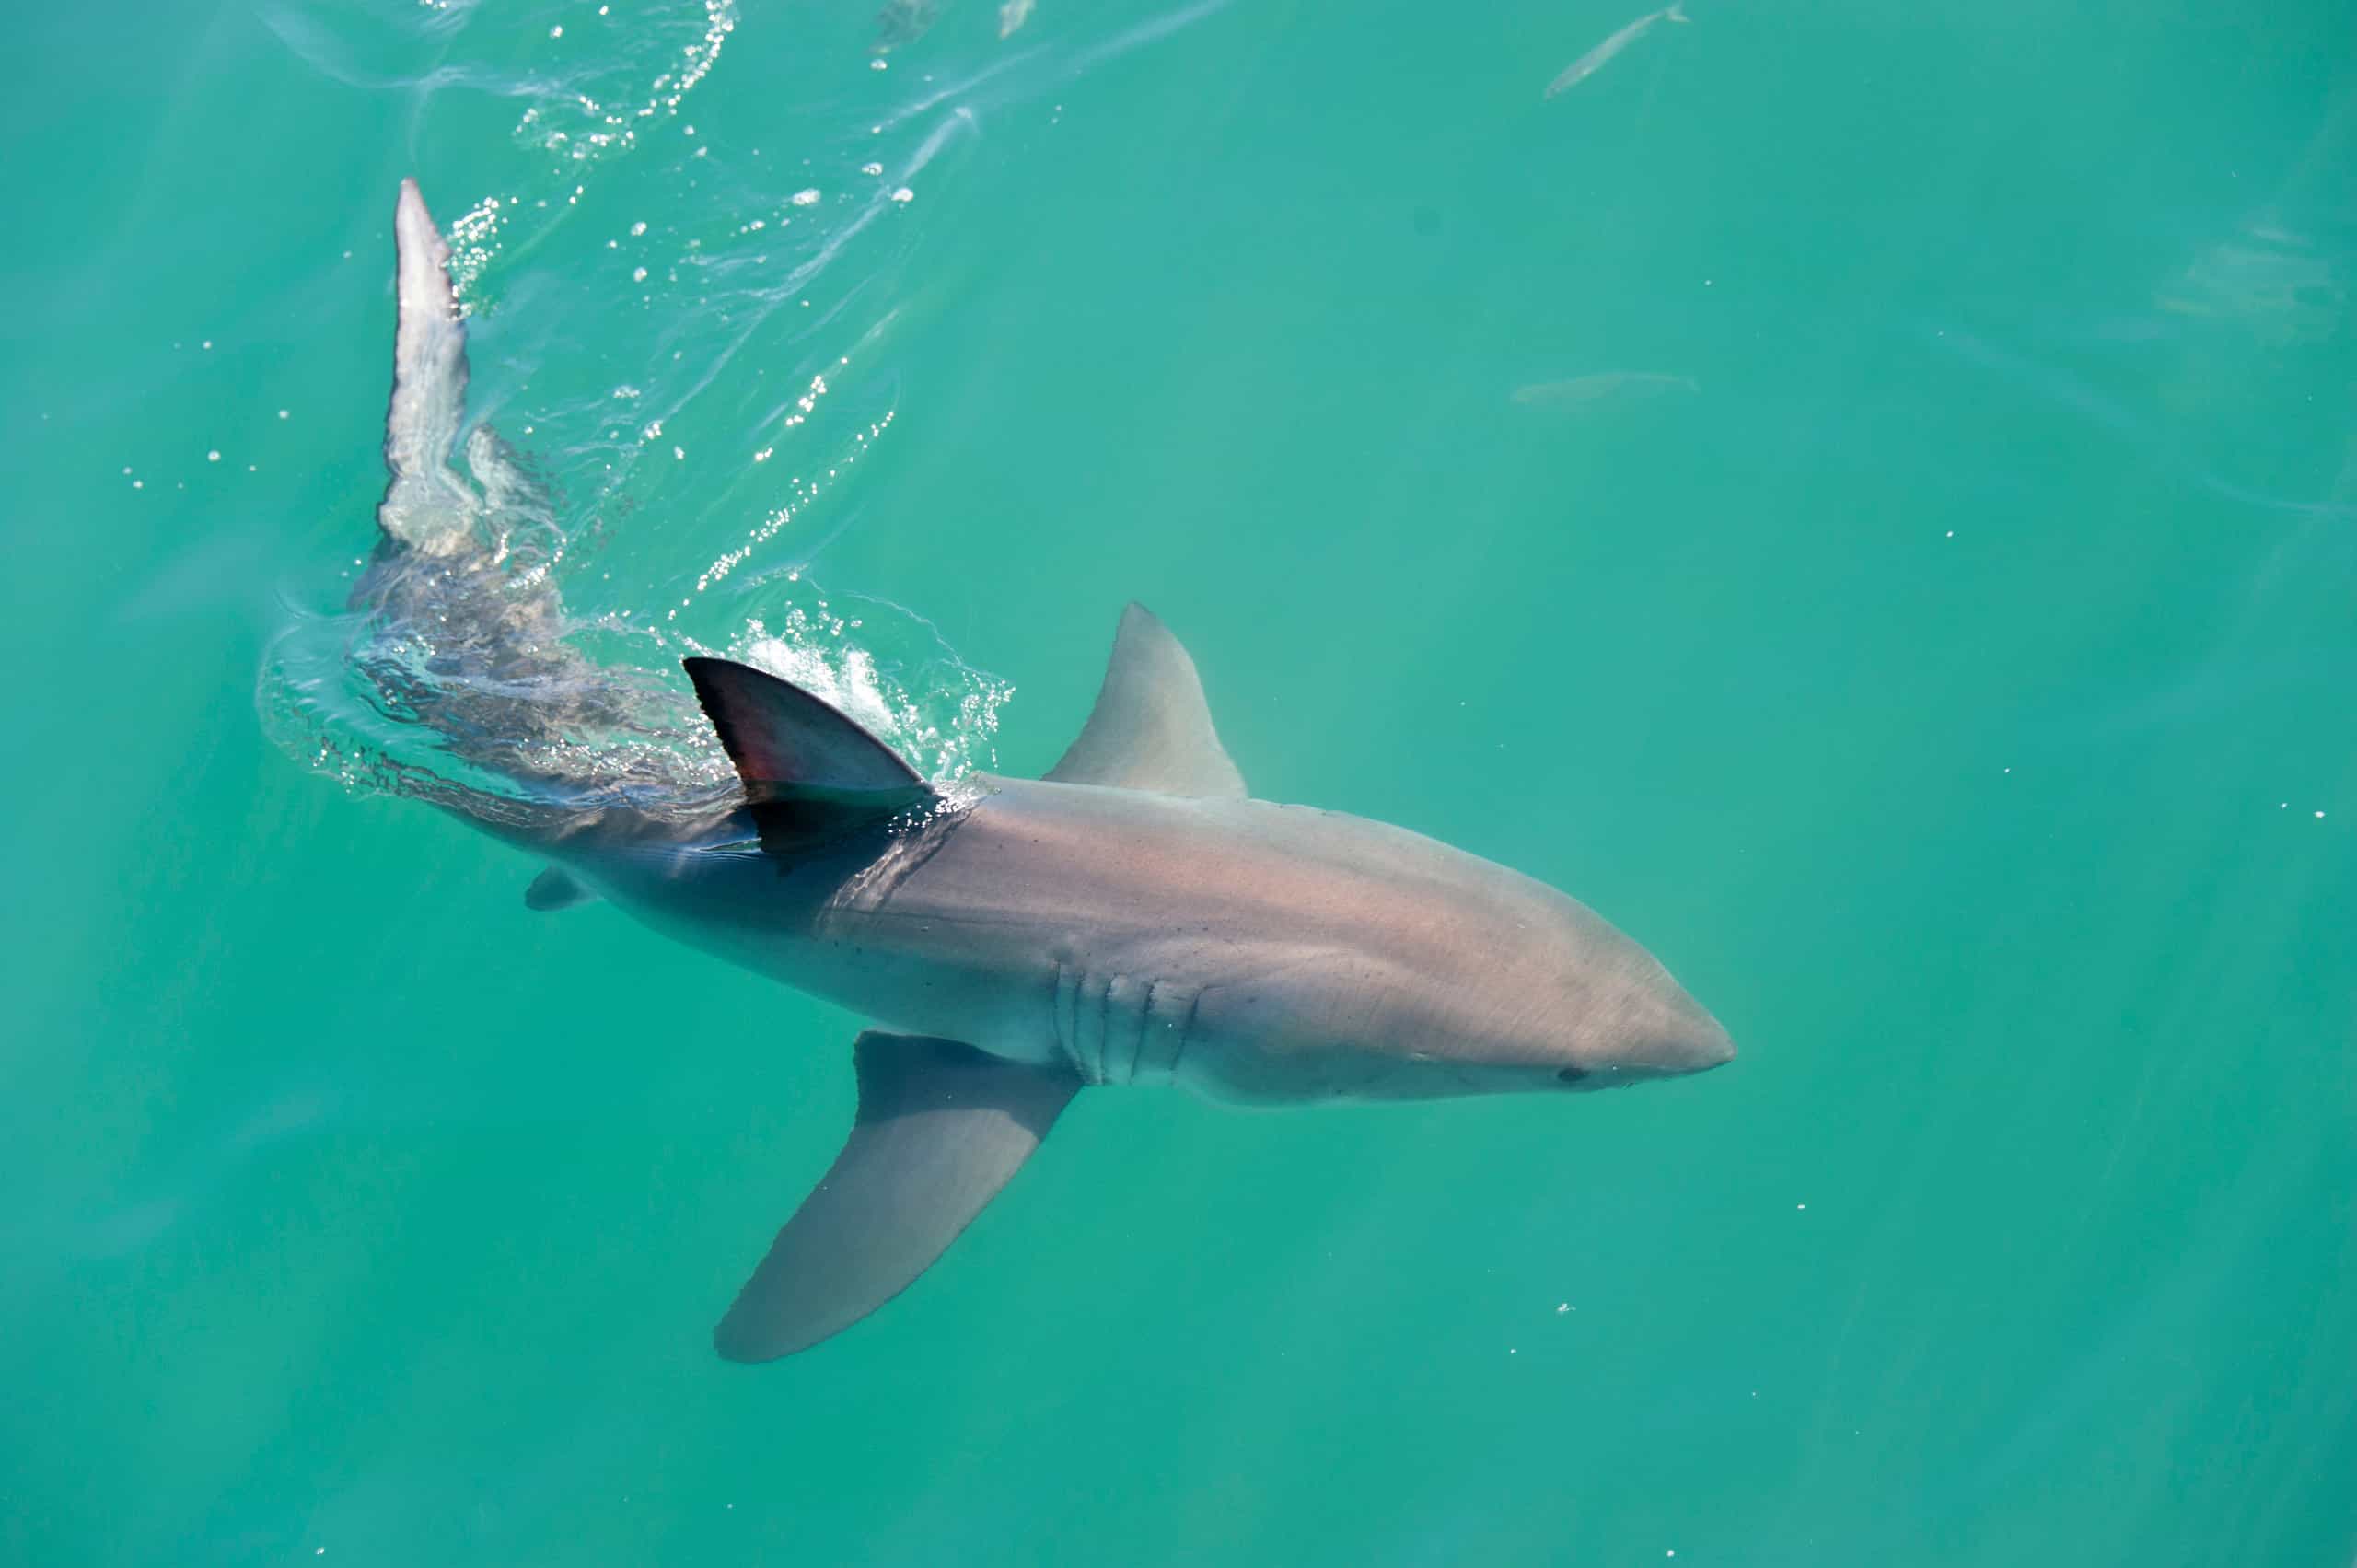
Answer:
x=1867 y=501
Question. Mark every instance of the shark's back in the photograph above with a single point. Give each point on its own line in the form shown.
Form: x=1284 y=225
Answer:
x=1292 y=934
x=1110 y=868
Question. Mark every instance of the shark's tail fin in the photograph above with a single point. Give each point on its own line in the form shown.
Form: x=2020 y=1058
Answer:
x=467 y=629
x=426 y=506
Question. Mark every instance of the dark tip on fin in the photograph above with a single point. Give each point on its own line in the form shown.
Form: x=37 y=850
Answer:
x=810 y=774
x=778 y=734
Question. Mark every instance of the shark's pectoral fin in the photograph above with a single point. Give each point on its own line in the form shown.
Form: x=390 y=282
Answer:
x=556 y=889
x=941 y=1128
x=1151 y=729
x=809 y=772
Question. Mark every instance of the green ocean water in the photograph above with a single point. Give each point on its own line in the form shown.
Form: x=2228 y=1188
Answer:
x=1914 y=592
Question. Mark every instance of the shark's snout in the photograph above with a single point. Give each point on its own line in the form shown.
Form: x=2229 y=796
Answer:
x=1693 y=1042
x=1675 y=1038
x=1705 y=1047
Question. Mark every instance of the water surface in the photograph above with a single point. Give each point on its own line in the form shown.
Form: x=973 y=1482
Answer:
x=1944 y=665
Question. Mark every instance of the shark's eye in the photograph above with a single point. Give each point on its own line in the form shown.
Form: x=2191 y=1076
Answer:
x=1571 y=1075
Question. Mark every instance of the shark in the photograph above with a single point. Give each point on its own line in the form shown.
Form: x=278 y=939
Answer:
x=1132 y=918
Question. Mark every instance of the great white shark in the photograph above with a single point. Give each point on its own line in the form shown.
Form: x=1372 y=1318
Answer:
x=1132 y=918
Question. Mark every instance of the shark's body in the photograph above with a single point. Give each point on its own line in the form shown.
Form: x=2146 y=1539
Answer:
x=1248 y=951
x=1131 y=919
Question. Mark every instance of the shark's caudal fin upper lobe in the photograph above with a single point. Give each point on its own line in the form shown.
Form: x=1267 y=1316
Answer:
x=425 y=506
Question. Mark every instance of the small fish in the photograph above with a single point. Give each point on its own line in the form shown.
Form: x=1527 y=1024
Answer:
x=1585 y=391
x=1012 y=15
x=1588 y=65
x=904 y=21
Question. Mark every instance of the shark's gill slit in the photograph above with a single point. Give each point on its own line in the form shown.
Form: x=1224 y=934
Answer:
x=1186 y=1032
x=1138 y=1034
x=1062 y=1006
x=1101 y=1056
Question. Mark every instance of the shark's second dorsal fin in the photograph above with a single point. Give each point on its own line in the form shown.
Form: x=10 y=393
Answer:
x=1151 y=729
x=809 y=772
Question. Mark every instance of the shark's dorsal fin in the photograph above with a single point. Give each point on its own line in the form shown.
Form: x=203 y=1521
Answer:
x=779 y=736
x=942 y=1126
x=810 y=774
x=1151 y=729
